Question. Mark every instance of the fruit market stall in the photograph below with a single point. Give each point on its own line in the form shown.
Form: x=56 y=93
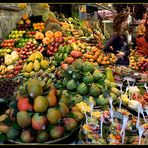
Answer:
x=59 y=83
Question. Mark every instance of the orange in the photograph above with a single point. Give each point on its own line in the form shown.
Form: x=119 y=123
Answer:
x=49 y=34
x=58 y=34
x=98 y=52
x=95 y=57
x=99 y=60
x=94 y=49
x=91 y=60
x=107 y=62
x=105 y=58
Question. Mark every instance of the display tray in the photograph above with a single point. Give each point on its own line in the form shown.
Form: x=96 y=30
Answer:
x=64 y=140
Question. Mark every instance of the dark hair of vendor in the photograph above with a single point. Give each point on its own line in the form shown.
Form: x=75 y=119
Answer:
x=119 y=18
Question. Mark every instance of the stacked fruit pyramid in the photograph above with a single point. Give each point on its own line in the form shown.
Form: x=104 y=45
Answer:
x=83 y=79
x=36 y=116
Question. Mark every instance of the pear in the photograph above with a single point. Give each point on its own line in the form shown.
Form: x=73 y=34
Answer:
x=29 y=67
x=44 y=64
x=32 y=57
x=36 y=65
x=38 y=55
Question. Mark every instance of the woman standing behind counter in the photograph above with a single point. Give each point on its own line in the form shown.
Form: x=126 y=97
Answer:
x=118 y=42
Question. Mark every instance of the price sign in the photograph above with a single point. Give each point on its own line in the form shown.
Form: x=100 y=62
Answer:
x=129 y=79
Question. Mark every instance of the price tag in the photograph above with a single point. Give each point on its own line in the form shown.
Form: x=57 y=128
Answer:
x=129 y=79
x=136 y=74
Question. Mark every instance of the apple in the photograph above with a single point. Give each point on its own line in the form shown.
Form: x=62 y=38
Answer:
x=52 y=44
x=55 y=49
x=56 y=44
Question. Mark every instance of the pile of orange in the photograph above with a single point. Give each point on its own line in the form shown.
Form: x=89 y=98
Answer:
x=98 y=56
x=136 y=58
x=39 y=26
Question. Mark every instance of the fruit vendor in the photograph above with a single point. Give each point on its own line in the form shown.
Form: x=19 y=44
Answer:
x=142 y=42
x=117 y=44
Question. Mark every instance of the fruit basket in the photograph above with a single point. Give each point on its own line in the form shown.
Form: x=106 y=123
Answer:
x=64 y=140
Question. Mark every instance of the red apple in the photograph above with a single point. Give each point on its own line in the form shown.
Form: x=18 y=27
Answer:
x=55 y=49
x=56 y=44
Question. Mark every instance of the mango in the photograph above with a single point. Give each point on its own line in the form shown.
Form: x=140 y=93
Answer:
x=12 y=133
x=52 y=100
x=57 y=132
x=53 y=115
x=27 y=136
x=63 y=109
x=70 y=123
x=23 y=119
x=42 y=136
x=40 y=104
